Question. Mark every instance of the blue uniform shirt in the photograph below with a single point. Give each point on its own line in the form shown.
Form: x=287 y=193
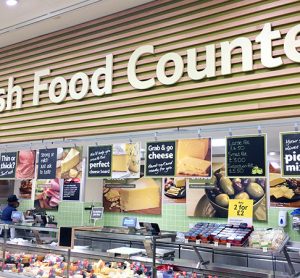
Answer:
x=6 y=213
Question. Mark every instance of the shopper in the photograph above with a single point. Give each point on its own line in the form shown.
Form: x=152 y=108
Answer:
x=12 y=204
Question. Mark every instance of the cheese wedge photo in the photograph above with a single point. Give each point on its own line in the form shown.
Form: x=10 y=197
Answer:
x=197 y=148
x=193 y=167
x=70 y=161
x=145 y=195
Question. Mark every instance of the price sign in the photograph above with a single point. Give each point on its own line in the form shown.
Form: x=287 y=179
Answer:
x=97 y=213
x=47 y=164
x=160 y=159
x=240 y=211
x=290 y=154
x=246 y=156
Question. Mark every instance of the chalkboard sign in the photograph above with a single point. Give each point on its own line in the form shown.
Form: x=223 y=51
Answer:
x=47 y=164
x=8 y=163
x=97 y=213
x=66 y=237
x=71 y=190
x=160 y=159
x=290 y=154
x=246 y=156
x=99 y=161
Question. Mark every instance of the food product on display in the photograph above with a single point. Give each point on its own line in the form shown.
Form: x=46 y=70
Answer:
x=52 y=266
x=26 y=164
x=268 y=238
x=145 y=195
x=221 y=233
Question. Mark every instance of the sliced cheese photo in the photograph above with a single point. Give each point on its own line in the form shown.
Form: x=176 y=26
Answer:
x=193 y=167
x=145 y=195
x=197 y=148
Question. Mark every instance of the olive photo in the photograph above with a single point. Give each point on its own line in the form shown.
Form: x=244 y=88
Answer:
x=213 y=201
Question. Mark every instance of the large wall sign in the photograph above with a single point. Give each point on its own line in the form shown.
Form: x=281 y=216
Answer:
x=99 y=161
x=8 y=163
x=135 y=70
x=246 y=156
x=142 y=196
x=69 y=87
x=47 y=164
x=290 y=154
x=160 y=159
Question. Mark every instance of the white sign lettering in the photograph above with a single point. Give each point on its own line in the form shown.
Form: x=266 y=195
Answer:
x=100 y=83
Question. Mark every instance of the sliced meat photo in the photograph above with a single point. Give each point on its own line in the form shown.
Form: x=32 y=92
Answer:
x=26 y=164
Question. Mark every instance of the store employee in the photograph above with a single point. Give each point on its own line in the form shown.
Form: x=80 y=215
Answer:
x=12 y=204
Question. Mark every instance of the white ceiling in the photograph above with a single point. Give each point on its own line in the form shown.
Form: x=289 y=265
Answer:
x=32 y=18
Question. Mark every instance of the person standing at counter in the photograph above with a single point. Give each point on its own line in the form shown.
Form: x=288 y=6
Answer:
x=12 y=204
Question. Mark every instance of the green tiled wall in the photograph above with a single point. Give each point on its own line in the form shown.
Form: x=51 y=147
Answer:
x=69 y=213
x=173 y=217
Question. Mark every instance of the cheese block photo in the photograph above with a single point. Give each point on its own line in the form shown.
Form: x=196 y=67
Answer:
x=193 y=157
x=120 y=163
x=145 y=195
x=71 y=160
x=197 y=148
x=191 y=166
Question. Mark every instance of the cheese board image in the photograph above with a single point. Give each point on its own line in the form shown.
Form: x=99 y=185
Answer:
x=175 y=188
x=142 y=196
x=284 y=190
x=69 y=163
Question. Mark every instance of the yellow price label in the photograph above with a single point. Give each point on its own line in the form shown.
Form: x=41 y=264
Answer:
x=240 y=210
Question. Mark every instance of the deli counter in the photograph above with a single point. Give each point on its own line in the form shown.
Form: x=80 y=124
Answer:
x=110 y=247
